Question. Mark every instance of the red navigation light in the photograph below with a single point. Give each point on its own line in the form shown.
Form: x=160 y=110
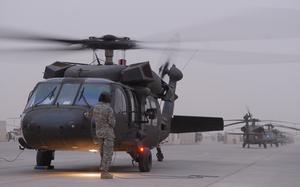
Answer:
x=141 y=149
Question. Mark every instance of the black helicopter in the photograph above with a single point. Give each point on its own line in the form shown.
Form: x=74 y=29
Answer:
x=260 y=134
x=55 y=117
x=279 y=137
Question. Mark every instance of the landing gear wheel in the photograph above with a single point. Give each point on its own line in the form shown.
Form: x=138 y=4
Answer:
x=43 y=159
x=145 y=160
x=265 y=146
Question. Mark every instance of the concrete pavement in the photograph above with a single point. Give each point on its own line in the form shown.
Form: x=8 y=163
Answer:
x=207 y=164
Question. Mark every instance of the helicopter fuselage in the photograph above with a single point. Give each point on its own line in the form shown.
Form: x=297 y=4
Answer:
x=57 y=120
x=58 y=114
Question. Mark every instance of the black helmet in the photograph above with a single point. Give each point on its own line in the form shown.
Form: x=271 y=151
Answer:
x=104 y=97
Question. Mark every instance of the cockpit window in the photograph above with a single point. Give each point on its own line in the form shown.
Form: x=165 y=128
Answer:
x=89 y=93
x=44 y=94
x=86 y=94
x=67 y=94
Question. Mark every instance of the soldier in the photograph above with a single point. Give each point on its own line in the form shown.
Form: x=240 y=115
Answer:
x=105 y=122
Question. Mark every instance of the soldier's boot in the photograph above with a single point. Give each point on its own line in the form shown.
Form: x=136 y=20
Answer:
x=106 y=175
x=159 y=154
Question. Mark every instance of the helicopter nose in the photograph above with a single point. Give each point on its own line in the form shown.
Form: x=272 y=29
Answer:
x=56 y=128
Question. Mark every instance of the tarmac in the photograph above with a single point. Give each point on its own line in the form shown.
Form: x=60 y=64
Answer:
x=206 y=164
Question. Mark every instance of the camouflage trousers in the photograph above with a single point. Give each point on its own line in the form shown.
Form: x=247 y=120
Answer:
x=106 y=152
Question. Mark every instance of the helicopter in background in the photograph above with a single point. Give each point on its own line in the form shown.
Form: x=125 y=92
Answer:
x=254 y=133
x=282 y=138
x=272 y=135
x=55 y=116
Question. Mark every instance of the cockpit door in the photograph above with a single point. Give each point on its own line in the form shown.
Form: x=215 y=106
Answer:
x=120 y=104
x=151 y=125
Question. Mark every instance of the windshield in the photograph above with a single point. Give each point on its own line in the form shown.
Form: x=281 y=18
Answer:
x=66 y=94
x=44 y=94
x=89 y=93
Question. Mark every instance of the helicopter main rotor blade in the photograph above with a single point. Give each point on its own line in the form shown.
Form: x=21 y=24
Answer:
x=266 y=23
x=242 y=57
x=226 y=57
x=104 y=42
x=286 y=127
x=255 y=24
x=11 y=34
x=231 y=124
x=41 y=49
x=278 y=121
x=234 y=120
x=235 y=133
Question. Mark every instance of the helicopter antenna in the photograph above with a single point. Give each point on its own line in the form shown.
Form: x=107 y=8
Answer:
x=97 y=58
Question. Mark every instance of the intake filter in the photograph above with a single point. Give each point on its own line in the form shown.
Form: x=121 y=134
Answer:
x=139 y=73
x=57 y=69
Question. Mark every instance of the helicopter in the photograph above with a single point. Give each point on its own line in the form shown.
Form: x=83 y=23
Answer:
x=272 y=135
x=282 y=138
x=56 y=114
x=55 y=117
x=260 y=134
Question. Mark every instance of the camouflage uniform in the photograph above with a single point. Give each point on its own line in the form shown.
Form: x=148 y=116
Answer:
x=105 y=122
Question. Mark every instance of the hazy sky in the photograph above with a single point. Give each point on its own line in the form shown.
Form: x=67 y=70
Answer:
x=214 y=84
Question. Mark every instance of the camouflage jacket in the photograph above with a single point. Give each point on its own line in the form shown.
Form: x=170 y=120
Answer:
x=105 y=121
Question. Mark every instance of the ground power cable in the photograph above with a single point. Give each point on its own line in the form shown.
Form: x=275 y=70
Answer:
x=12 y=160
